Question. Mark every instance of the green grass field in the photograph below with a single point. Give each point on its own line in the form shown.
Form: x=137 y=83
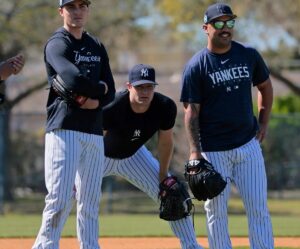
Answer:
x=134 y=225
x=285 y=216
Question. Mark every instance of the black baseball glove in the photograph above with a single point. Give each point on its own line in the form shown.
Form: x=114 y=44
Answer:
x=175 y=201
x=68 y=95
x=204 y=181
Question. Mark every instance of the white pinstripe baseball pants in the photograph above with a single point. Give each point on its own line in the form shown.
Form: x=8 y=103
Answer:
x=245 y=167
x=71 y=158
x=142 y=170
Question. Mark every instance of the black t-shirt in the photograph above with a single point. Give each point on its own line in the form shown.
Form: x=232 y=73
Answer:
x=82 y=64
x=127 y=131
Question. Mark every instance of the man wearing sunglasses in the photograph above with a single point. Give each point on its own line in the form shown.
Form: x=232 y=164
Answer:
x=221 y=126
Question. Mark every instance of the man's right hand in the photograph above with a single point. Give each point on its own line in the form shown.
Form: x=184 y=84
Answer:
x=17 y=63
x=11 y=66
x=90 y=104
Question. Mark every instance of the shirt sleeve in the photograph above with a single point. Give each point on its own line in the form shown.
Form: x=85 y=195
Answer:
x=169 y=113
x=260 y=70
x=190 y=88
x=107 y=77
x=107 y=115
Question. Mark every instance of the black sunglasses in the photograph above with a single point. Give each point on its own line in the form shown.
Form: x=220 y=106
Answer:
x=218 y=24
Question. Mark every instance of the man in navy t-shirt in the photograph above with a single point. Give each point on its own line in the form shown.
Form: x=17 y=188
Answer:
x=74 y=150
x=221 y=126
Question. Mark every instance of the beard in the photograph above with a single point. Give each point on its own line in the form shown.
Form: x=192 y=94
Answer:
x=222 y=40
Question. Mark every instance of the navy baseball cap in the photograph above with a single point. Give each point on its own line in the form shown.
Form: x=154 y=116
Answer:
x=64 y=2
x=217 y=10
x=142 y=74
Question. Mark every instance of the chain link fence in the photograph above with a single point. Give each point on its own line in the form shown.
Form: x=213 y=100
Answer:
x=26 y=155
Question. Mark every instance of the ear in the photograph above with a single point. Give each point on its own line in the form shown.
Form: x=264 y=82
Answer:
x=128 y=85
x=60 y=11
x=205 y=28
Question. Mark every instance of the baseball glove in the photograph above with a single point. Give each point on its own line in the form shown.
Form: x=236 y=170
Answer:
x=69 y=96
x=175 y=201
x=204 y=181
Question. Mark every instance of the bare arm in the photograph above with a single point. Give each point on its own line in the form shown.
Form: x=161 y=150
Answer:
x=264 y=103
x=165 y=151
x=6 y=70
x=191 y=122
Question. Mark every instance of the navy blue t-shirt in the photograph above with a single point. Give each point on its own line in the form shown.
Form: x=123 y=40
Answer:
x=82 y=64
x=221 y=84
x=127 y=131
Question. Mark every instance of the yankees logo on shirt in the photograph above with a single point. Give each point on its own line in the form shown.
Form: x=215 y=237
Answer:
x=225 y=76
x=132 y=130
x=85 y=58
x=136 y=135
x=211 y=80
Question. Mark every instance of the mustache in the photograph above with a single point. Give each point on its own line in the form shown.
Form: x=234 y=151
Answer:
x=224 y=32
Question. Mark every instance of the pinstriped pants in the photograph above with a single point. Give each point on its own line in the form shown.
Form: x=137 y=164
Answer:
x=71 y=158
x=142 y=170
x=244 y=166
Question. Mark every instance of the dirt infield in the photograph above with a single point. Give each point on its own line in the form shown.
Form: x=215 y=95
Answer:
x=139 y=243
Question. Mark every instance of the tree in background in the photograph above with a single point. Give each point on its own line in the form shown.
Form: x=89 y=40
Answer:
x=282 y=147
x=25 y=26
x=186 y=19
x=20 y=23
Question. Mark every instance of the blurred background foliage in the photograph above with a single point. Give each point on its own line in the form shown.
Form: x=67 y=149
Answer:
x=164 y=33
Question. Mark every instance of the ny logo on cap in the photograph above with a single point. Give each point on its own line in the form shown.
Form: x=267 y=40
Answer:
x=144 y=72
